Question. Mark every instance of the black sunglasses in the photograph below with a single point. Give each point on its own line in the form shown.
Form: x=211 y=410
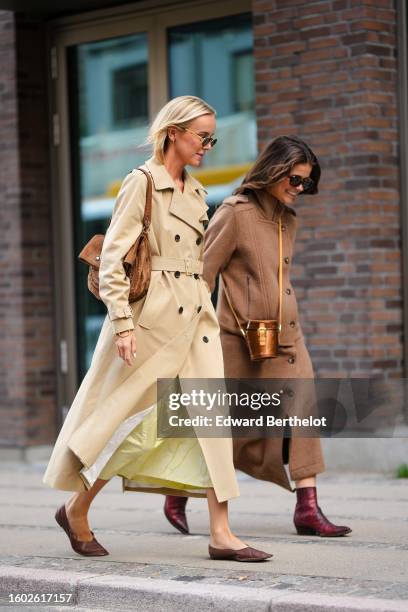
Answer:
x=307 y=183
x=205 y=140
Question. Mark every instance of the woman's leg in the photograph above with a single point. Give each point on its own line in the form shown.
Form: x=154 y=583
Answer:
x=77 y=510
x=221 y=535
x=306 y=482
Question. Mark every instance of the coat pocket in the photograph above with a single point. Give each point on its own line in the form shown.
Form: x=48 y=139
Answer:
x=153 y=304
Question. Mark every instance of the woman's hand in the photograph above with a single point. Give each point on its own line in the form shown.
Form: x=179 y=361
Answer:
x=126 y=345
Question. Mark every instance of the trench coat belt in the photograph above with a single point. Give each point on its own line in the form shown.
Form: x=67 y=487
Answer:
x=172 y=264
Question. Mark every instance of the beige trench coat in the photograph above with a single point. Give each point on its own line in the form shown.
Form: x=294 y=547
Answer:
x=177 y=332
x=242 y=243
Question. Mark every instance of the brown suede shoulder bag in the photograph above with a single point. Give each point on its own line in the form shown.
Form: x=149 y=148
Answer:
x=137 y=261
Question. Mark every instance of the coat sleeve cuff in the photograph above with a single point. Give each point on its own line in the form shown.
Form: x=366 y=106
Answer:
x=120 y=325
x=120 y=313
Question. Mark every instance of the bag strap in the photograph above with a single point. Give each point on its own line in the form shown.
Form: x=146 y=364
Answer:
x=280 y=280
x=130 y=256
x=280 y=273
x=243 y=332
x=147 y=217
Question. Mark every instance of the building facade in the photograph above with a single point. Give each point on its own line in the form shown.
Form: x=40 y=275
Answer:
x=77 y=90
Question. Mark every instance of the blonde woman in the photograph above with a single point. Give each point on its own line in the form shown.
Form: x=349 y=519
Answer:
x=111 y=426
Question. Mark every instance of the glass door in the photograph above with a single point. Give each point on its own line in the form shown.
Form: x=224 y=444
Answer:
x=110 y=73
x=108 y=111
x=213 y=59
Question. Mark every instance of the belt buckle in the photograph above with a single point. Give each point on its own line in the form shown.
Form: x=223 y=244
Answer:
x=189 y=267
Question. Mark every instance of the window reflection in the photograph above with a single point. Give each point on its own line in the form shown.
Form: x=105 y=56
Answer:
x=214 y=60
x=109 y=119
x=109 y=122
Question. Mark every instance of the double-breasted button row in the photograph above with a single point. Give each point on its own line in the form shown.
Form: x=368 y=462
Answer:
x=177 y=238
x=181 y=310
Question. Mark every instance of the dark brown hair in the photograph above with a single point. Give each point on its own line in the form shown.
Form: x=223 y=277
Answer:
x=276 y=161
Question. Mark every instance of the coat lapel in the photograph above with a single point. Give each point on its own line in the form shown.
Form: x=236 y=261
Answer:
x=189 y=206
x=191 y=210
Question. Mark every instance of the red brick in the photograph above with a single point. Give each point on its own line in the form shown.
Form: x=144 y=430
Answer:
x=26 y=306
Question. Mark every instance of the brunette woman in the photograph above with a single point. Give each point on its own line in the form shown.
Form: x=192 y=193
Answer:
x=242 y=243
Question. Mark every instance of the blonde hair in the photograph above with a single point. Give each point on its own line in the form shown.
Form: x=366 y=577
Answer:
x=177 y=112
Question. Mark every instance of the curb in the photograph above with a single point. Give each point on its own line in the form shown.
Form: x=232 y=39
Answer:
x=116 y=592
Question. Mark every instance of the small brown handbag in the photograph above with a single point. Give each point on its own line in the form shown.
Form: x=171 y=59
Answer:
x=137 y=261
x=262 y=335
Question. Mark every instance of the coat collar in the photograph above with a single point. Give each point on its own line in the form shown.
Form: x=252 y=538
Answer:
x=271 y=208
x=192 y=210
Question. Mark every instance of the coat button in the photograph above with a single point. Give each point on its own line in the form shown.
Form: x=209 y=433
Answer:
x=199 y=308
x=196 y=276
x=181 y=310
x=205 y=339
x=283 y=228
x=177 y=274
x=286 y=260
x=199 y=240
x=177 y=238
x=288 y=291
x=292 y=323
x=291 y=360
x=290 y=392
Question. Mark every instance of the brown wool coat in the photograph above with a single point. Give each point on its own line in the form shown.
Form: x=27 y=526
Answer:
x=241 y=242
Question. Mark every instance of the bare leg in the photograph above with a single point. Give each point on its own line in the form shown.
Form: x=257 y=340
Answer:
x=77 y=510
x=306 y=482
x=221 y=535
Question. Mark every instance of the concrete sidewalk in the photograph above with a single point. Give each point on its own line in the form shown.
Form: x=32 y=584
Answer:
x=153 y=567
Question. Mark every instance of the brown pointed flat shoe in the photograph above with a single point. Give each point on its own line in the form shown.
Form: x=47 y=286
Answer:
x=247 y=554
x=86 y=549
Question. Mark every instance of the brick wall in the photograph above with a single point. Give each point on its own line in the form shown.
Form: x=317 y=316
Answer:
x=326 y=71
x=27 y=377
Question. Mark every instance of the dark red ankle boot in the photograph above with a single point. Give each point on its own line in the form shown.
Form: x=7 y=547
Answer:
x=175 y=512
x=309 y=518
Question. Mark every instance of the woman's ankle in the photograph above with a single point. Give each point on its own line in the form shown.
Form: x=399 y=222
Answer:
x=77 y=506
x=221 y=532
x=226 y=540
